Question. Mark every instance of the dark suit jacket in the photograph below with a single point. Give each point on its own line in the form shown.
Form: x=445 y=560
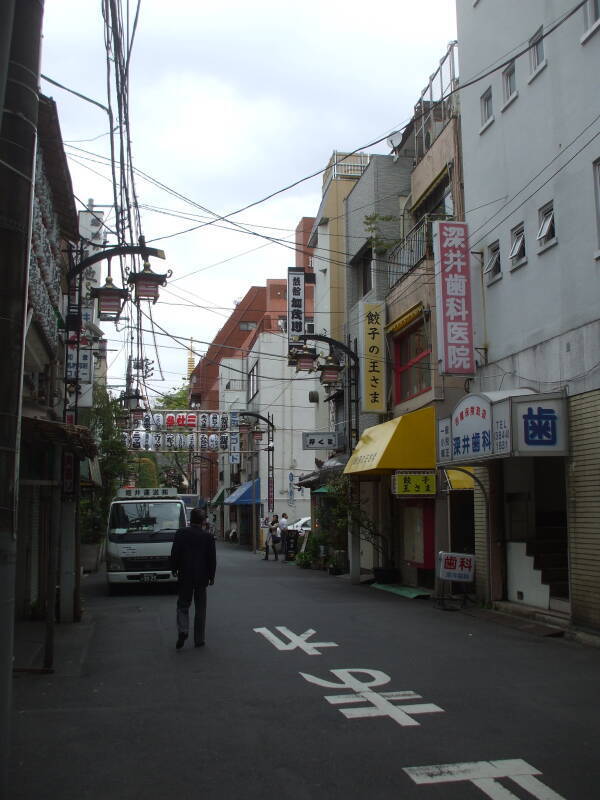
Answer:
x=193 y=556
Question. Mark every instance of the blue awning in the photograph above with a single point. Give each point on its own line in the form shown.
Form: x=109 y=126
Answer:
x=245 y=495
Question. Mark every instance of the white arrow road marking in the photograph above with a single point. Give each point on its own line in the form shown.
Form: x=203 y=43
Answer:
x=295 y=641
x=484 y=775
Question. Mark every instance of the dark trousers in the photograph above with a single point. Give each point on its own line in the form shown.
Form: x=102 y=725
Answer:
x=274 y=548
x=184 y=601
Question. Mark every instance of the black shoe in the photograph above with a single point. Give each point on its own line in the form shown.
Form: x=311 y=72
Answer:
x=199 y=644
x=180 y=640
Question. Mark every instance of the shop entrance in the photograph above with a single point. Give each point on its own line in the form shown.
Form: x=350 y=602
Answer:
x=536 y=532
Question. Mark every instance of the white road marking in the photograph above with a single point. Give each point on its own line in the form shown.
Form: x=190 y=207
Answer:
x=379 y=704
x=295 y=641
x=484 y=775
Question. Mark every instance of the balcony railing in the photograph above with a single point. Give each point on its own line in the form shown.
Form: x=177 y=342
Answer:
x=416 y=246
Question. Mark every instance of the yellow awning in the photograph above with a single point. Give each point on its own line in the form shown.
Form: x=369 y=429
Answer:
x=407 y=442
x=458 y=480
x=404 y=320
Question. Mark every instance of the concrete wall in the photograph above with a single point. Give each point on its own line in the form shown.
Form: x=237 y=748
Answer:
x=527 y=157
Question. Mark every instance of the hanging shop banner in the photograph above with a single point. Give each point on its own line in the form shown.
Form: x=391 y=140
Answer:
x=234 y=447
x=456 y=567
x=453 y=298
x=84 y=372
x=414 y=483
x=372 y=356
x=295 y=296
x=234 y=420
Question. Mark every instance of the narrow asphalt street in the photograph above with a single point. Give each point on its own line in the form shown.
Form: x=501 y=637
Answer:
x=483 y=710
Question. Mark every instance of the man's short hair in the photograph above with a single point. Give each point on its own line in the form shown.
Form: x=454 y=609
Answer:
x=197 y=516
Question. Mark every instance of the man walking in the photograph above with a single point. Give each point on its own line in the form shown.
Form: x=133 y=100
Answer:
x=194 y=562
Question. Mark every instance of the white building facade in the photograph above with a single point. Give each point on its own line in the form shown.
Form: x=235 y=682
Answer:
x=531 y=154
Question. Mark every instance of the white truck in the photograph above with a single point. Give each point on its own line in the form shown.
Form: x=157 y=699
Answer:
x=141 y=527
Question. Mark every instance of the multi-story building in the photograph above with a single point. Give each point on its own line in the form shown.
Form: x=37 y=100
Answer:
x=531 y=149
x=246 y=369
x=397 y=271
x=50 y=450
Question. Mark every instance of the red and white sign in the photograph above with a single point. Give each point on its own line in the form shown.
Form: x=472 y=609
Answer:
x=456 y=567
x=453 y=298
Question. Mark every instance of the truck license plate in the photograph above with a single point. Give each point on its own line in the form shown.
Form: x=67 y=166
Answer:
x=147 y=578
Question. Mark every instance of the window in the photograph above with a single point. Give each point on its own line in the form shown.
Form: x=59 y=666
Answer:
x=282 y=324
x=492 y=265
x=547 y=230
x=487 y=111
x=517 y=250
x=247 y=326
x=253 y=381
x=309 y=325
x=536 y=50
x=509 y=81
x=412 y=363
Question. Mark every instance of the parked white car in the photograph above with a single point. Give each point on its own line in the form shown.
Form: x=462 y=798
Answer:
x=301 y=525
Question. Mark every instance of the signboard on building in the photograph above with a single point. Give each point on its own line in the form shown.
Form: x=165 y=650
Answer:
x=472 y=428
x=453 y=298
x=295 y=298
x=539 y=425
x=517 y=424
x=414 y=483
x=322 y=440
x=83 y=373
x=456 y=567
x=234 y=447
x=444 y=441
x=372 y=355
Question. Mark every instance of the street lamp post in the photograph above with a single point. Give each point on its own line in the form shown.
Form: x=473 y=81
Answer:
x=351 y=399
x=352 y=380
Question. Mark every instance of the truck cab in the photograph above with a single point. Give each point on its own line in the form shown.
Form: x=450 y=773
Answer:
x=141 y=527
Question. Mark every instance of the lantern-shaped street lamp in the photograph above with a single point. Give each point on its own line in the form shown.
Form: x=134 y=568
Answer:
x=305 y=360
x=110 y=300
x=257 y=433
x=146 y=283
x=122 y=419
x=330 y=371
x=244 y=426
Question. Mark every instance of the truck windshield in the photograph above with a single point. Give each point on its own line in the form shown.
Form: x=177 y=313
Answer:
x=146 y=517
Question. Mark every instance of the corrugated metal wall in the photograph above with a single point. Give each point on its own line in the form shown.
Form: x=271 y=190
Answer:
x=481 y=535
x=584 y=508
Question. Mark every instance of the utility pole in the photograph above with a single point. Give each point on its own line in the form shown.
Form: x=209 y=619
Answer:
x=19 y=72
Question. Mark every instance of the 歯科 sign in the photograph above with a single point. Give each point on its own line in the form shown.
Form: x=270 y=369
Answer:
x=453 y=298
x=456 y=567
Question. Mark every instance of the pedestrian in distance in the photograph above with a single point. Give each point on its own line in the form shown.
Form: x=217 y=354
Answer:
x=194 y=562
x=283 y=528
x=273 y=537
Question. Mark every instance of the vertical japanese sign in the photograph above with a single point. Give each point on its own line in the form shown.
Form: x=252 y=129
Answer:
x=372 y=357
x=295 y=305
x=453 y=298
x=234 y=447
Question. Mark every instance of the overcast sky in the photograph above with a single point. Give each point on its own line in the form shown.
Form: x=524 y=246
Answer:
x=231 y=101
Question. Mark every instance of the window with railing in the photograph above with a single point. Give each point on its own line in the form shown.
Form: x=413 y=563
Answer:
x=413 y=248
x=412 y=363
